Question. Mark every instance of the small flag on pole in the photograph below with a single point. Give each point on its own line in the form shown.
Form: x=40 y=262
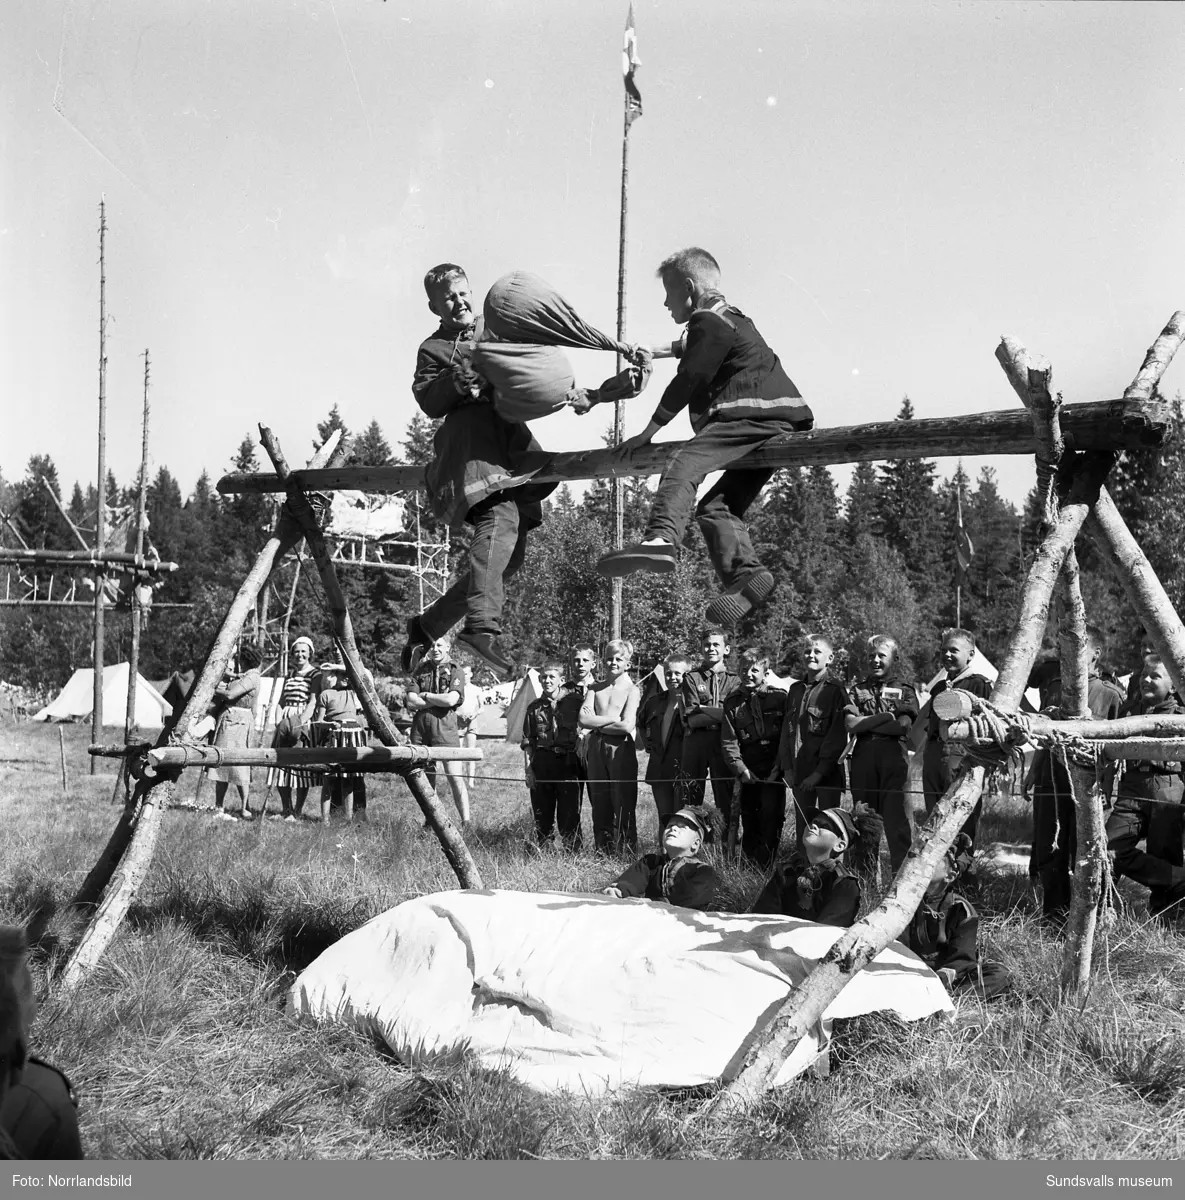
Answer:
x=964 y=550
x=630 y=60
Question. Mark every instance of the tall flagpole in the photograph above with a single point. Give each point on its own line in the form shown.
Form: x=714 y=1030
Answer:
x=633 y=110
x=959 y=569
x=97 y=660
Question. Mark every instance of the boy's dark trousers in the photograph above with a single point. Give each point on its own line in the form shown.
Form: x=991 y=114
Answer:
x=720 y=514
x=613 y=791
x=666 y=783
x=1149 y=806
x=879 y=771
x=828 y=794
x=1055 y=835
x=704 y=759
x=555 y=798
x=938 y=771
x=763 y=813
x=496 y=551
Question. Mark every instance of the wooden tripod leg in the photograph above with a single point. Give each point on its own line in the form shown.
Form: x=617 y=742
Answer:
x=125 y=860
x=441 y=823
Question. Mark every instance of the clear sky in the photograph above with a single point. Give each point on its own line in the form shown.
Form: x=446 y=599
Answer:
x=888 y=187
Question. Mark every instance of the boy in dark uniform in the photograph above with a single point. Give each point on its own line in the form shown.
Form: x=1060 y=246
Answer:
x=749 y=736
x=434 y=699
x=661 y=730
x=477 y=450
x=815 y=883
x=883 y=708
x=1149 y=807
x=738 y=397
x=941 y=760
x=678 y=875
x=945 y=929
x=813 y=735
x=1055 y=827
x=38 y=1109
x=550 y=734
x=704 y=691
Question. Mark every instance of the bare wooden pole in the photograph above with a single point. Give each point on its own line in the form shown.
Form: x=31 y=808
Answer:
x=62 y=755
x=101 y=517
x=441 y=824
x=125 y=860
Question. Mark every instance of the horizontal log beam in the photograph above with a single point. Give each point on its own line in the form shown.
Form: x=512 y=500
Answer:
x=86 y=558
x=361 y=758
x=1098 y=425
x=1137 y=725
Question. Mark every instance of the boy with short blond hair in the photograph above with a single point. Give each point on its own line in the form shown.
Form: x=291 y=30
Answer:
x=749 y=737
x=550 y=734
x=705 y=688
x=940 y=760
x=610 y=712
x=738 y=397
x=813 y=735
x=434 y=698
x=883 y=707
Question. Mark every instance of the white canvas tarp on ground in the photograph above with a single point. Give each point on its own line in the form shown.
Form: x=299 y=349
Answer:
x=585 y=993
x=75 y=701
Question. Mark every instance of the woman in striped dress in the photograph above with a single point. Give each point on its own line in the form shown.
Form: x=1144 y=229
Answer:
x=294 y=711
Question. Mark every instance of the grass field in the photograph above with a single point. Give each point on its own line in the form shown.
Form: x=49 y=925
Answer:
x=179 y=1045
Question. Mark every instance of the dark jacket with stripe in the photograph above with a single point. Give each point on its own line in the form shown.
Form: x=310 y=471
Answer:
x=752 y=729
x=687 y=882
x=813 y=735
x=728 y=373
x=826 y=894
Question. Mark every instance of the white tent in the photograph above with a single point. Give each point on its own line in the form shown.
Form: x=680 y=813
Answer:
x=75 y=701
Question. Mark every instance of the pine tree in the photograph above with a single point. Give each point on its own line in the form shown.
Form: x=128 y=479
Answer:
x=861 y=504
x=371 y=448
x=326 y=427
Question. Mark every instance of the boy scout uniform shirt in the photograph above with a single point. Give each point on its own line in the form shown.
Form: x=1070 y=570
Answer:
x=686 y=882
x=945 y=934
x=977 y=685
x=834 y=895
x=813 y=736
x=892 y=695
x=552 y=725
x=708 y=688
x=440 y=678
x=1157 y=780
x=752 y=729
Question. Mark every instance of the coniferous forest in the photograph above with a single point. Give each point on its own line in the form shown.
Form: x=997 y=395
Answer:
x=880 y=557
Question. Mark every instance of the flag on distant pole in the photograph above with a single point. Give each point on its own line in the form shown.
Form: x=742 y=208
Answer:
x=964 y=550
x=630 y=60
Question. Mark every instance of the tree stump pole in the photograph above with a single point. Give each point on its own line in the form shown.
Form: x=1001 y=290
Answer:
x=449 y=836
x=126 y=858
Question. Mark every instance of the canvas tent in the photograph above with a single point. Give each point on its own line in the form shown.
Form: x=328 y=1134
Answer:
x=76 y=700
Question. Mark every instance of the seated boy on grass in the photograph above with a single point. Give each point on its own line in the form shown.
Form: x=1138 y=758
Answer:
x=945 y=929
x=678 y=875
x=738 y=397
x=815 y=884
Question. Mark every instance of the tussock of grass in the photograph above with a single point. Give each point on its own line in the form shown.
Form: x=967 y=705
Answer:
x=180 y=1047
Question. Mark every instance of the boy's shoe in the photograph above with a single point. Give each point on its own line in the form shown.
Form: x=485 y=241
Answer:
x=417 y=640
x=486 y=647
x=656 y=556
x=741 y=598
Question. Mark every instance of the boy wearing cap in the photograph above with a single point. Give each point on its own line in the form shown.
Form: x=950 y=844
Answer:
x=945 y=929
x=336 y=723
x=434 y=698
x=883 y=708
x=749 y=737
x=550 y=734
x=678 y=875
x=813 y=736
x=815 y=884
